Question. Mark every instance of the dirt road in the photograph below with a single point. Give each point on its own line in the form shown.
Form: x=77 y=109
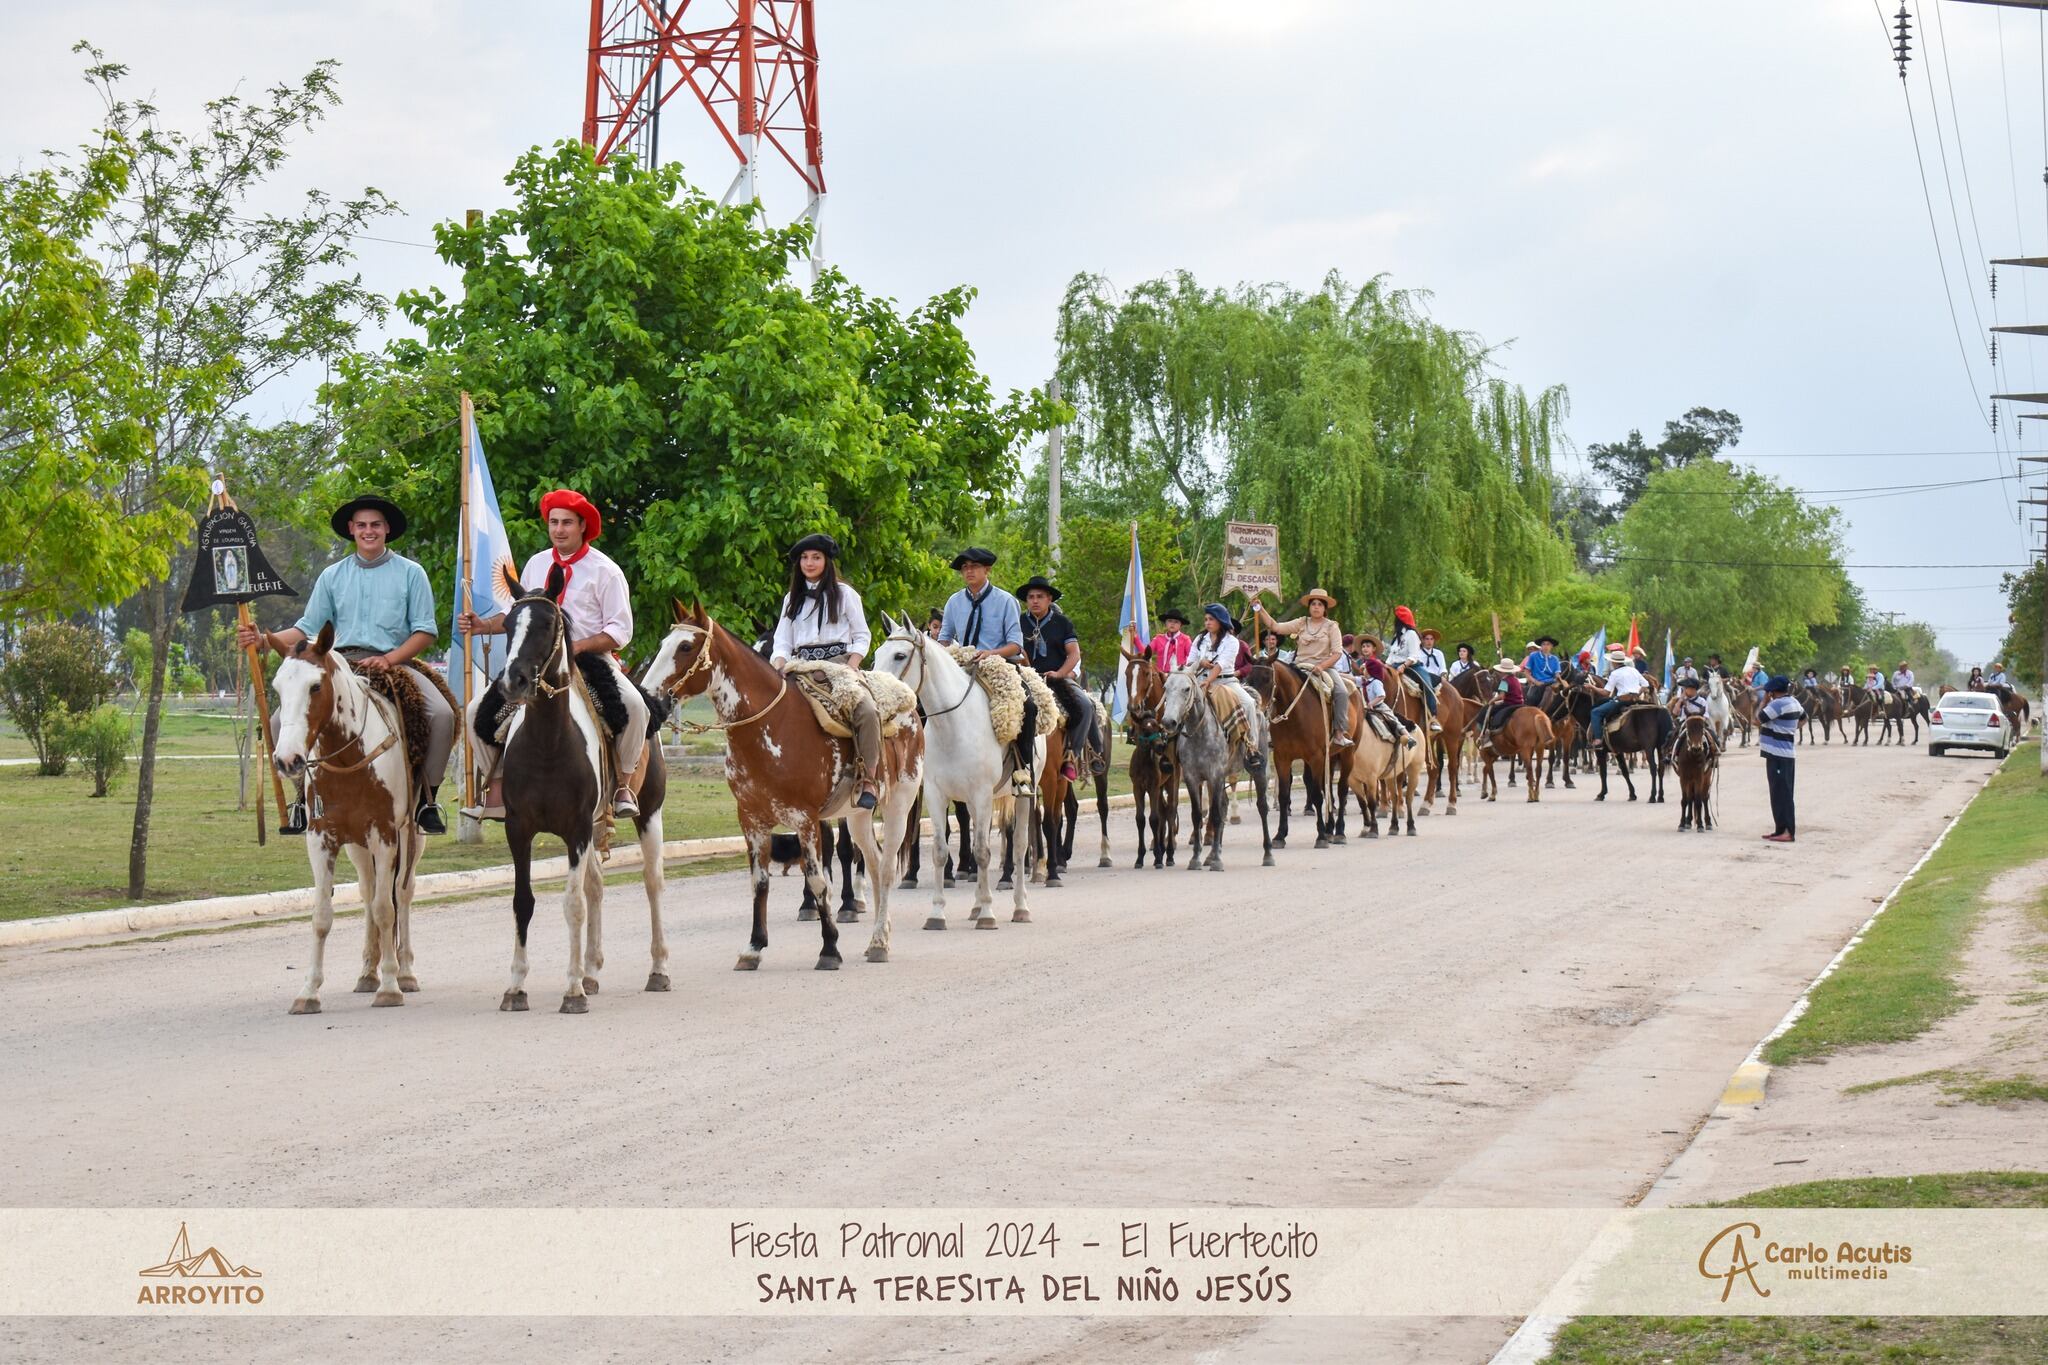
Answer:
x=1523 y=1005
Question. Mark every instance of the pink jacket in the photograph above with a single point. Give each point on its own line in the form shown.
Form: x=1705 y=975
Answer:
x=1170 y=651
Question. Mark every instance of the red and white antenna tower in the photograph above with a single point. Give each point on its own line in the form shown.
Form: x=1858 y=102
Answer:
x=754 y=71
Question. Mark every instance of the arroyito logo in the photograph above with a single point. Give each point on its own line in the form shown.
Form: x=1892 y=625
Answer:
x=219 y=1279
x=1727 y=1258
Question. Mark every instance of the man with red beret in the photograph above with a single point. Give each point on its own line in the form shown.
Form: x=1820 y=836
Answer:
x=599 y=610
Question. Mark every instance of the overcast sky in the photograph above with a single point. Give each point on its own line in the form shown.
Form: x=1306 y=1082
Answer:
x=1658 y=206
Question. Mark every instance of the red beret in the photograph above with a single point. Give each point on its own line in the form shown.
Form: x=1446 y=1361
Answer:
x=1404 y=616
x=593 y=525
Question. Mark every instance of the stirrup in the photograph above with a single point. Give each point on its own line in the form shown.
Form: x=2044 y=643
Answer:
x=867 y=800
x=624 y=804
x=294 y=819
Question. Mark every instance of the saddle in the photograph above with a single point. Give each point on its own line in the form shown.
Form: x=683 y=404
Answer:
x=1411 y=682
x=835 y=691
x=405 y=689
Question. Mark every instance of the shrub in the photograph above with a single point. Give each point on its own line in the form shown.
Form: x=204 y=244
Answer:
x=58 y=668
x=101 y=738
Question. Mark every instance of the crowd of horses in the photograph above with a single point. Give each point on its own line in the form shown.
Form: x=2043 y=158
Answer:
x=788 y=772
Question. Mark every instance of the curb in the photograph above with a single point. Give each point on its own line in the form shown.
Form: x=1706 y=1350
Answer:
x=1533 y=1339
x=258 y=906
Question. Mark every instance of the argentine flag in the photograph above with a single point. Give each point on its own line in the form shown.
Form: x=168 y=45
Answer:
x=482 y=571
x=1596 y=645
x=1133 y=617
x=1670 y=662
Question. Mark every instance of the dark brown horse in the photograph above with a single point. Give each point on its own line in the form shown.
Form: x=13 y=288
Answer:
x=1693 y=756
x=1155 y=775
x=1570 y=708
x=553 y=767
x=1301 y=734
x=1644 y=730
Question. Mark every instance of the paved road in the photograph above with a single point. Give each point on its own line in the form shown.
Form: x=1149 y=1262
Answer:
x=1523 y=1005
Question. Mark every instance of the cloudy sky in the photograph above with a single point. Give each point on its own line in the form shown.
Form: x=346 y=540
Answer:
x=1658 y=206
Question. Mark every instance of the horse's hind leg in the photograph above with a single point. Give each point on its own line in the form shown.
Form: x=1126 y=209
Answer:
x=650 y=879
x=1225 y=797
x=575 y=912
x=912 y=849
x=853 y=866
x=308 y=1001
x=593 y=923
x=408 y=869
x=366 y=879
x=1102 y=858
x=381 y=905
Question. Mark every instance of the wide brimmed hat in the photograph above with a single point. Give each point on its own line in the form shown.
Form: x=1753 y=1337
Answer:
x=1430 y=634
x=368 y=502
x=818 y=541
x=974 y=554
x=1039 y=582
x=1617 y=655
x=1547 y=640
x=1313 y=593
x=1221 y=614
x=1507 y=666
x=568 y=499
x=1368 y=638
x=1173 y=614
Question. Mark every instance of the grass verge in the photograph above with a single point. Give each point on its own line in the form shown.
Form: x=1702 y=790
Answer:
x=1901 y=979
x=1833 y=1340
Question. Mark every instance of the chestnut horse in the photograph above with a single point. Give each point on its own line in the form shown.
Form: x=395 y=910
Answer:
x=1526 y=736
x=1692 y=755
x=1301 y=734
x=1453 y=715
x=359 y=795
x=785 y=770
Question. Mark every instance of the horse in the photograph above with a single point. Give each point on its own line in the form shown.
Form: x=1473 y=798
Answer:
x=1720 y=712
x=1742 y=710
x=1904 y=708
x=552 y=763
x=1095 y=763
x=963 y=761
x=1210 y=759
x=1570 y=710
x=1299 y=720
x=1820 y=705
x=1693 y=756
x=1641 y=730
x=1155 y=779
x=785 y=769
x=1863 y=703
x=1525 y=735
x=333 y=729
x=1384 y=775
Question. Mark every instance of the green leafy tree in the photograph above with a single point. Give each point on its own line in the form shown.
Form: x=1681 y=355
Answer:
x=625 y=335
x=1894 y=642
x=1841 y=642
x=1573 y=609
x=238 y=297
x=1694 y=555
x=2021 y=649
x=1701 y=434
x=57 y=670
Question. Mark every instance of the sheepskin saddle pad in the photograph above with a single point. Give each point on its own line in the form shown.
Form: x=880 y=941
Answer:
x=1007 y=686
x=405 y=688
x=834 y=690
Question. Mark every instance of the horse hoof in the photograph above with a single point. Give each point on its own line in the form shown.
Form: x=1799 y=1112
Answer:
x=1339 y=838
x=1194 y=864
x=935 y=922
x=1269 y=862
x=575 y=1004
x=1215 y=866
x=907 y=884
x=1139 y=866
x=1019 y=916
x=1237 y=819
x=1453 y=810
x=1320 y=843
x=949 y=883
x=1053 y=881
x=386 y=999
x=849 y=916
x=513 y=1003
x=988 y=923
x=590 y=985
x=1104 y=861
x=1281 y=842
x=806 y=913
x=1631 y=796
x=1006 y=885
x=365 y=984
x=1370 y=834
x=304 y=1007
x=657 y=981
x=409 y=984
x=828 y=964
x=749 y=962
x=878 y=954
x=1411 y=831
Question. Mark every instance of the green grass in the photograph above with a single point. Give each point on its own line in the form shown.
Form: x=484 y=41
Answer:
x=72 y=851
x=193 y=727
x=1834 y=1340
x=1901 y=979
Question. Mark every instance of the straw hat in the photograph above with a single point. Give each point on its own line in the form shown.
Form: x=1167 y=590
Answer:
x=1329 y=602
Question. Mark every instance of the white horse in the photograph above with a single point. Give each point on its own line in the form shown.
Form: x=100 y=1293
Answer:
x=332 y=728
x=963 y=761
x=1720 y=714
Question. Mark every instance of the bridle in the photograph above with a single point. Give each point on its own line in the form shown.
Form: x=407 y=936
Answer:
x=326 y=764
x=674 y=688
x=918 y=645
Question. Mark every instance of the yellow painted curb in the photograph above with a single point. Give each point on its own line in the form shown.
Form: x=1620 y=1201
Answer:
x=1746 y=1086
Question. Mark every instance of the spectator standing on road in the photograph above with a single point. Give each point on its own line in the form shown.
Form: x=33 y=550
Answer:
x=1777 y=733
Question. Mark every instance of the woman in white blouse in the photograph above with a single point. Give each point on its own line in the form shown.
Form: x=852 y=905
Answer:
x=1214 y=657
x=822 y=619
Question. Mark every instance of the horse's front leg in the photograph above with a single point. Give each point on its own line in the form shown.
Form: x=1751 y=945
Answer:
x=758 y=834
x=576 y=914
x=519 y=842
x=935 y=918
x=1223 y=796
x=1265 y=821
x=983 y=817
x=308 y=1001
x=1102 y=858
x=1023 y=819
x=381 y=907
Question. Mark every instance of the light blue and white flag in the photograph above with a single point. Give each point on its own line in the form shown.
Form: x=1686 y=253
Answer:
x=1134 y=616
x=482 y=572
x=1596 y=645
x=1670 y=661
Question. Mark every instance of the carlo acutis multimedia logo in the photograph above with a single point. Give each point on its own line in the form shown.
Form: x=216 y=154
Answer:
x=205 y=1279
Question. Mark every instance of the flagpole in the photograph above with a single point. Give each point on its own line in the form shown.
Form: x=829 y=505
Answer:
x=468 y=831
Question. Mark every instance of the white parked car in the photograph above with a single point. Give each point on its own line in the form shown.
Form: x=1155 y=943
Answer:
x=1968 y=720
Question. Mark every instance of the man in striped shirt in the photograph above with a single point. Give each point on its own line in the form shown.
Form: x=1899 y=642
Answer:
x=1777 y=733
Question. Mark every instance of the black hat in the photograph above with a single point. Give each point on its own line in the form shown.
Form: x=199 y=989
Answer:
x=1173 y=614
x=1038 y=581
x=1546 y=639
x=1688 y=682
x=815 y=541
x=368 y=502
x=974 y=554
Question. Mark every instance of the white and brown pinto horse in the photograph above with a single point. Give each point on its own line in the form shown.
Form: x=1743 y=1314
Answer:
x=553 y=768
x=341 y=736
x=785 y=770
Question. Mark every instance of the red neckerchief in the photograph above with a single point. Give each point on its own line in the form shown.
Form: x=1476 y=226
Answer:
x=567 y=572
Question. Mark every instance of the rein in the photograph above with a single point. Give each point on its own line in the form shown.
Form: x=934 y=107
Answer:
x=918 y=648
x=326 y=763
x=698 y=665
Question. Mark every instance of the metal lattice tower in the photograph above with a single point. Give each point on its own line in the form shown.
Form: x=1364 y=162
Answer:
x=753 y=68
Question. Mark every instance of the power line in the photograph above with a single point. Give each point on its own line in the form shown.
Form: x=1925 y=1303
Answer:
x=1809 y=564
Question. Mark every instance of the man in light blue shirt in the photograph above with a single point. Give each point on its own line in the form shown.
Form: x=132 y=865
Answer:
x=981 y=615
x=382 y=610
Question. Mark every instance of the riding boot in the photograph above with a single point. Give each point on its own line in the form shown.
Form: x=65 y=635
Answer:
x=428 y=816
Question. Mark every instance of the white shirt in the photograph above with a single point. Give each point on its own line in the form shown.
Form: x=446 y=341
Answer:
x=1433 y=661
x=596 y=599
x=1626 y=681
x=1903 y=679
x=1223 y=650
x=1461 y=666
x=1375 y=691
x=810 y=627
x=1407 y=647
x=1996 y=679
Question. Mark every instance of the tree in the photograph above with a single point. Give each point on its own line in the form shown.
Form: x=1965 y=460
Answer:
x=236 y=299
x=1842 y=642
x=1573 y=609
x=1701 y=434
x=1720 y=554
x=58 y=670
x=2021 y=649
x=625 y=335
x=1914 y=642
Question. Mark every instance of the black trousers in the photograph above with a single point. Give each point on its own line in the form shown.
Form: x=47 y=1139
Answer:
x=1778 y=773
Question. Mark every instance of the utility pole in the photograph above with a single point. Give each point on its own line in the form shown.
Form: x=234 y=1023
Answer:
x=1053 y=453
x=2040 y=499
